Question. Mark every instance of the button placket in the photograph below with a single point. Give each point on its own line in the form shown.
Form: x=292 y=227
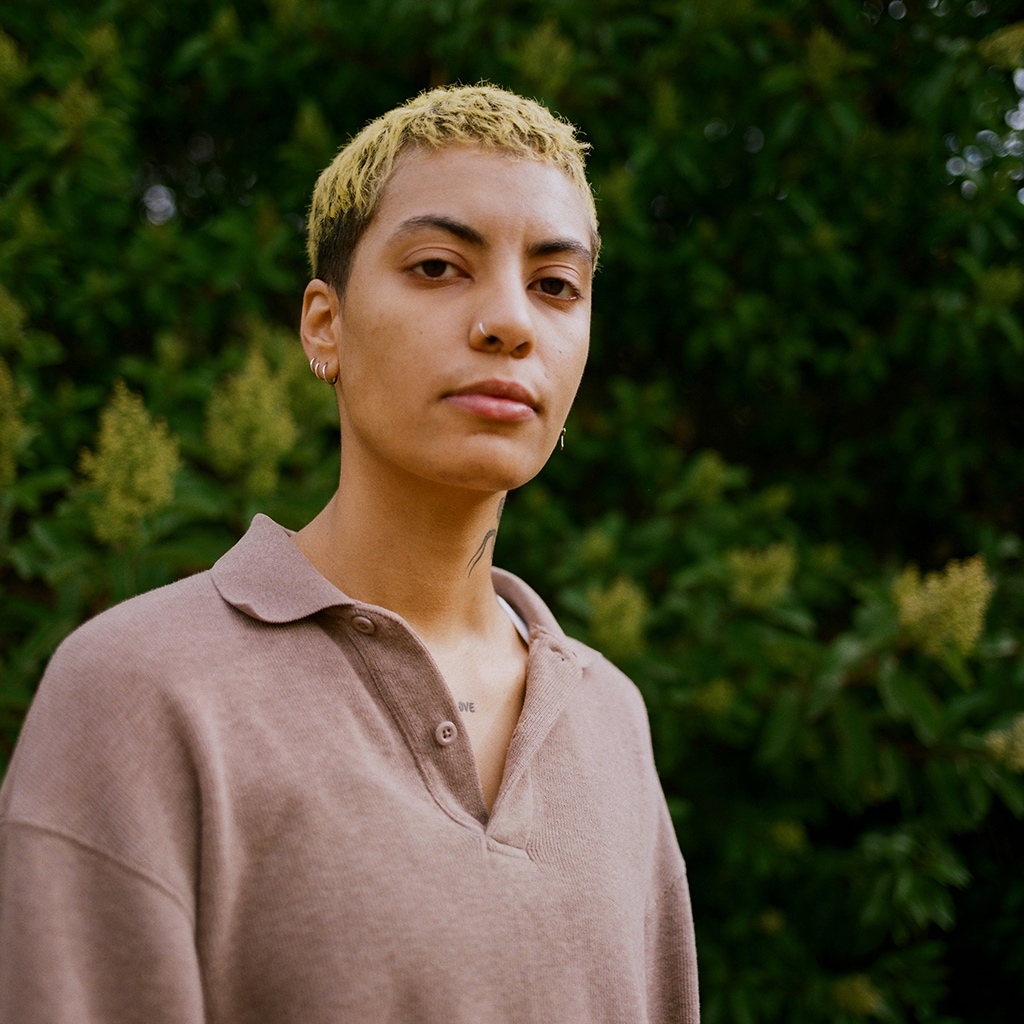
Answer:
x=411 y=685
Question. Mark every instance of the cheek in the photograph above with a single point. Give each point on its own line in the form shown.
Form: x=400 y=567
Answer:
x=370 y=360
x=570 y=372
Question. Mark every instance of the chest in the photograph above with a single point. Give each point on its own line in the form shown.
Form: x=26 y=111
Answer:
x=489 y=692
x=332 y=849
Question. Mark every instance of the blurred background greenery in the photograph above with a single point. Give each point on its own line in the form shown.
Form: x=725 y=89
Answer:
x=788 y=502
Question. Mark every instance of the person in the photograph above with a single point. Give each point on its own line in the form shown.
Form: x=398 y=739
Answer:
x=355 y=773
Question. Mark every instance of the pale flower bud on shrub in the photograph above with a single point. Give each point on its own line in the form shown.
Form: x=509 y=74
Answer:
x=103 y=45
x=1007 y=745
x=12 y=319
x=856 y=994
x=770 y=921
x=826 y=58
x=716 y=698
x=1005 y=47
x=1002 y=286
x=11 y=427
x=545 y=58
x=77 y=108
x=597 y=547
x=997 y=743
x=131 y=473
x=249 y=426
x=1014 y=756
x=776 y=500
x=788 y=836
x=760 y=579
x=946 y=609
x=708 y=477
x=617 y=616
x=12 y=64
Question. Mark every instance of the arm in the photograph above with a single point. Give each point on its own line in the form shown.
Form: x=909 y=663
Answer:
x=99 y=847
x=87 y=940
x=671 y=957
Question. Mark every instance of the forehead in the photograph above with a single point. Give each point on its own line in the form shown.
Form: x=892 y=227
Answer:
x=487 y=188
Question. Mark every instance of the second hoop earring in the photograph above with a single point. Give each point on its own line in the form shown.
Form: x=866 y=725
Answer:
x=320 y=370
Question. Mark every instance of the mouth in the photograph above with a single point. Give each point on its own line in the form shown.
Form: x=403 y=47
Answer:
x=502 y=400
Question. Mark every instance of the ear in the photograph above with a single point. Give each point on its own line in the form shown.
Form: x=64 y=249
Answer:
x=320 y=325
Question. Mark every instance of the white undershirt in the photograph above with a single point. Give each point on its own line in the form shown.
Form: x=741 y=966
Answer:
x=517 y=620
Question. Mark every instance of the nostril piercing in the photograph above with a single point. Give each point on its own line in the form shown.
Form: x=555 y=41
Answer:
x=485 y=337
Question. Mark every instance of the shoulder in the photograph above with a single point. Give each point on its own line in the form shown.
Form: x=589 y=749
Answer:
x=123 y=692
x=142 y=638
x=105 y=759
x=606 y=688
x=145 y=617
x=218 y=620
x=602 y=676
x=110 y=677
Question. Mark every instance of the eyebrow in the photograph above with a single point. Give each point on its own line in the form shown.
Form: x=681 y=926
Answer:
x=550 y=247
x=452 y=227
x=558 y=246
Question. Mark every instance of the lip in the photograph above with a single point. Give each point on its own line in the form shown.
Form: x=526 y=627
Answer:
x=494 y=399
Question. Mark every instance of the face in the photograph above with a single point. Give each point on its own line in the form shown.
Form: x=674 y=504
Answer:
x=462 y=335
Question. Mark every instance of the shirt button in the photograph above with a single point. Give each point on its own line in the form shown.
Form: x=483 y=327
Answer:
x=363 y=624
x=445 y=733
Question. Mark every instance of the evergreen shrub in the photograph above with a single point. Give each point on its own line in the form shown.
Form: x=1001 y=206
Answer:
x=788 y=501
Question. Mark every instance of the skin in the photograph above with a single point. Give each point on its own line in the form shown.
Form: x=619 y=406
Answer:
x=463 y=236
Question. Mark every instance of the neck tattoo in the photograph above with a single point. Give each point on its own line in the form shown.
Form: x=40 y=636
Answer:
x=488 y=537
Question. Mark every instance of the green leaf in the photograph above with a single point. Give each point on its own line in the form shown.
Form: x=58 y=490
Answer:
x=855 y=746
x=782 y=727
x=906 y=698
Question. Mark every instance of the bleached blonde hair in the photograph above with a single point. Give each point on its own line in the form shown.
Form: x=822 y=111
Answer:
x=348 y=192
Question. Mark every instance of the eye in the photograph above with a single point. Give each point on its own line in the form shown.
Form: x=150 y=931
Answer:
x=558 y=288
x=434 y=269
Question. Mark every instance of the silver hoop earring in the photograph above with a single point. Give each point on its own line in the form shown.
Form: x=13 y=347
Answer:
x=561 y=440
x=320 y=370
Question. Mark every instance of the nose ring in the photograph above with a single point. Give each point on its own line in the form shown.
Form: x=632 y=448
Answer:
x=484 y=336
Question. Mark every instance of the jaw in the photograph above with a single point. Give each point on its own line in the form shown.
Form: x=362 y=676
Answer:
x=440 y=449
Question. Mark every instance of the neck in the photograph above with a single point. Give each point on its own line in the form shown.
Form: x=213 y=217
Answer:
x=420 y=549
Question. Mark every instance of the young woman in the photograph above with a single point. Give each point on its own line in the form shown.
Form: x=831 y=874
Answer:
x=354 y=773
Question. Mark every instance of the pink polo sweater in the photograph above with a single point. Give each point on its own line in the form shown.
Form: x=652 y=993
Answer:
x=245 y=798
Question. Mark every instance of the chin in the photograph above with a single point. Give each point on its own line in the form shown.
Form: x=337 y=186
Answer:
x=489 y=475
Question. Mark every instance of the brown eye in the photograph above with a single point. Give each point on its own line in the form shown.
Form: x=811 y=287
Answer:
x=555 y=286
x=433 y=268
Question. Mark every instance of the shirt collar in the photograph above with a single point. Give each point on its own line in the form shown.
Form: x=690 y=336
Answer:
x=268 y=578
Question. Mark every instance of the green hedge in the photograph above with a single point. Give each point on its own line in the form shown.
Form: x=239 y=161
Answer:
x=806 y=379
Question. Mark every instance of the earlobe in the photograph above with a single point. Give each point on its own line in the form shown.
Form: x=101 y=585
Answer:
x=319 y=326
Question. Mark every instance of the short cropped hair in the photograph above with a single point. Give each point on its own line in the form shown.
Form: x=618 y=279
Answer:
x=348 y=192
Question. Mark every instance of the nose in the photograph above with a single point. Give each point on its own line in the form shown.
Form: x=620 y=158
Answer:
x=504 y=323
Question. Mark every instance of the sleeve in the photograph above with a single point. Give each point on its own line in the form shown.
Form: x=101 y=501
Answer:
x=672 y=996
x=670 y=948
x=87 y=940
x=99 y=823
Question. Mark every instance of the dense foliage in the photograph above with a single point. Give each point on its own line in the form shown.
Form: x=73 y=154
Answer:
x=806 y=380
